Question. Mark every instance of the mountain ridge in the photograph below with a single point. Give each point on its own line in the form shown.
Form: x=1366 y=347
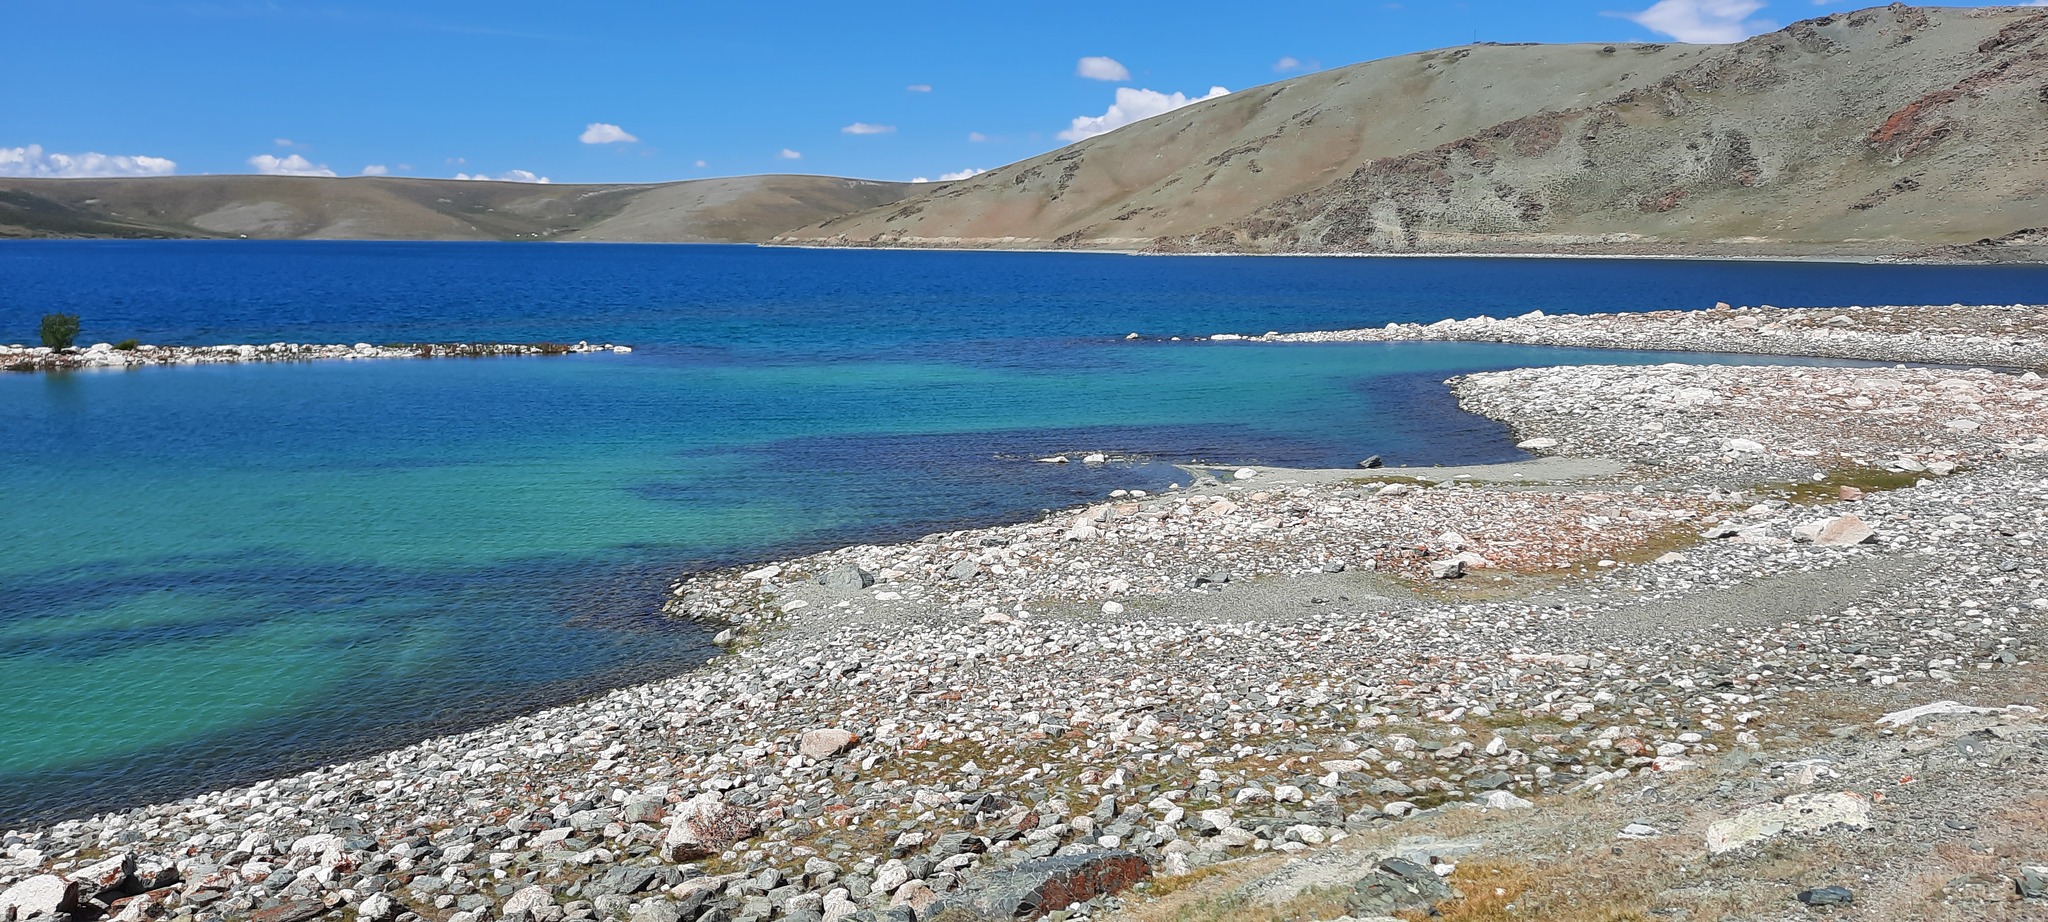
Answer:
x=1881 y=132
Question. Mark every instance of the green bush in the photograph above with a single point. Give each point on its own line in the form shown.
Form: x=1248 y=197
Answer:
x=128 y=345
x=59 y=330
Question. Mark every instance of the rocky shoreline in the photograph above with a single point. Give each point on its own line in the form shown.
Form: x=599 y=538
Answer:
x=1690 y=680
x=107 y=355
x=1956 y=334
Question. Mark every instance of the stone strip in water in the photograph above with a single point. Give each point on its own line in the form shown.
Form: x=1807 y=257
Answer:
x=1040 y=720
x=107 y=355
x=2007 y=336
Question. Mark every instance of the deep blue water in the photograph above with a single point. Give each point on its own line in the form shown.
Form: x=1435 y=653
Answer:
x=214 y=574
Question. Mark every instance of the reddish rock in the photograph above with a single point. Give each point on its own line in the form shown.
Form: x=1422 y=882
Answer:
x=1035 y=888
x=105 y=877
x=1844 y=530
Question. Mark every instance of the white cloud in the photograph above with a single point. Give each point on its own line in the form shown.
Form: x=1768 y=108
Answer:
x=1286 y=63
x=507 y=176
x=376 y=169
x=293 y=165
x=1132 y=106
x=1100 y=68
x=603 y=133
x=34 y=161
x=926 y=87
x=703 y=163
x=977 y=137
x=955 y=175
x=788 y=154
x=865 y=128
x=283 y=142
x=1703 y=21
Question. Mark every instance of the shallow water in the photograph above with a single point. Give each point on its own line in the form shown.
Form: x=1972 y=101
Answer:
x=218 y=573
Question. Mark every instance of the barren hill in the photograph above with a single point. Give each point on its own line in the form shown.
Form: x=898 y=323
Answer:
x=1883 y=131
x=742 y=209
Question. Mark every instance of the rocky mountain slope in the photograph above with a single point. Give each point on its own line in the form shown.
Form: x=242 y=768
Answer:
x=1885 y=131
x=741 y=209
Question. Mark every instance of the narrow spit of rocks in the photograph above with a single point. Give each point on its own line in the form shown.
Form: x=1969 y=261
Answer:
x=1955 y=334
x=106 y=355
x=1801 y=620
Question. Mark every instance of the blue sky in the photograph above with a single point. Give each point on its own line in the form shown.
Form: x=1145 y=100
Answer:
x=642 y=92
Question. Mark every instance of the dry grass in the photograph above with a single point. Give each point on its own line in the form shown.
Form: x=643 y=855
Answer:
x=1492 y=891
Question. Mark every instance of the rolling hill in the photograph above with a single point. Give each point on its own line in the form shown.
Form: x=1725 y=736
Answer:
x=737 y=210
x=1886 y=131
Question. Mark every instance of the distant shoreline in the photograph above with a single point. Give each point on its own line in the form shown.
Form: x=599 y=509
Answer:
x=1874 y=258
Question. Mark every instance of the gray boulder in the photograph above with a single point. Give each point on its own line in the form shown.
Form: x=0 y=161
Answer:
x=847 y=578
x=1396 y=884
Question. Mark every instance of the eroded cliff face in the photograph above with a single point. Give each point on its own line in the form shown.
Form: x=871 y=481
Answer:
x=1885 y=130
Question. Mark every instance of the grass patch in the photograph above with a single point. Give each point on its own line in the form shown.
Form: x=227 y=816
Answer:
x=1820 y=492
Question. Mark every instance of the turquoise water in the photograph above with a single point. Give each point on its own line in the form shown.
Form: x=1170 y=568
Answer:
x=218 y=573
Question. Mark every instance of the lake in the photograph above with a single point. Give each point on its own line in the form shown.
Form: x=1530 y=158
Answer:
x=216 y=574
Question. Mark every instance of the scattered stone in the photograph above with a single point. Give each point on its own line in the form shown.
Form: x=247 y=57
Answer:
x=1827 y=896
x=2032 y=883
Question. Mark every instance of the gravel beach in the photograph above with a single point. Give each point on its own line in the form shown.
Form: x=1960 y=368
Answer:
x=1738 y=639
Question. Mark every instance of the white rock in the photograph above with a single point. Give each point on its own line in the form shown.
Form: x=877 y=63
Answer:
x=377 y=908
x=1800 y=813
x=1536 y=444
x=1112 y=608
x=535 y=901
x=44 y=893
x=1504 y=800
x=1942 y=709
x=1245 y=473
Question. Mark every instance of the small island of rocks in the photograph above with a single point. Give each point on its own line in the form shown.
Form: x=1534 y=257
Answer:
x=128 y=355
